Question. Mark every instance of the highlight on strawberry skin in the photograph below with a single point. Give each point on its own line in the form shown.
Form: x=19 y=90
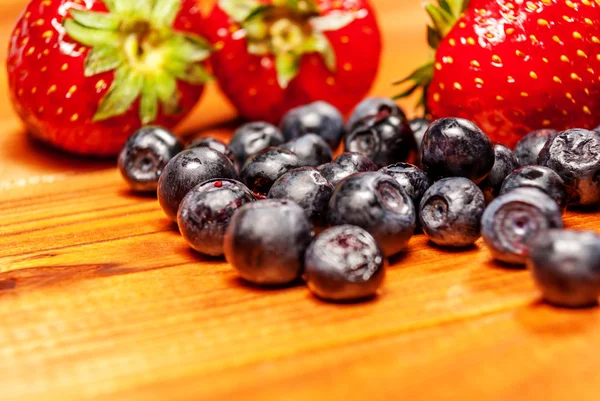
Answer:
x=512 y=67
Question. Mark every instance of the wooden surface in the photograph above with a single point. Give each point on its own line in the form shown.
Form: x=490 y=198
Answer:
x=101 y=299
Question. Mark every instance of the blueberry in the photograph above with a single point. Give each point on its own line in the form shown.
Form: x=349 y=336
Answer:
x=539 y=177
x=206 y=210
x=450 y=212
x=566 y=267
x=370 y=109
x=345 y=165
x=575 y=156
x=307 y=187
x=357 y=161
x=188 y=169
x=213 y=143
x=419 y=128
x=265 y=167
x=505 y=163
x=453 y=147
x=388 y=140
x=412 y=179
x=529 y=147
x=377 y=203
x=319 y=118
x=513 y=220
x=266 y=241
x=145 y=156
x=312 y=149
x=344 y=263
x=253 y=137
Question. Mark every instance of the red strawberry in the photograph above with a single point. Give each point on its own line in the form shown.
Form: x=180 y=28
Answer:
x=274 y=55
x=515 y=66
x=85 y=74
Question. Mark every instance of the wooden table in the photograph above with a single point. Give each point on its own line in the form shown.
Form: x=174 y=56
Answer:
x=100 y=298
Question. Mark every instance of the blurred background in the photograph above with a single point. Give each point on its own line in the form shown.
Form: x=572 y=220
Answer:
x=405 y=49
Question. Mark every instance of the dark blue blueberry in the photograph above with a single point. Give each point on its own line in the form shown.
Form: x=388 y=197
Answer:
x=311 y=148
x=344 y=263
x=188 y=169
x=345 y=165
x=372 y=108
x=253 y=137
x=308 y=188
x=505 y=163
x=539 y=177
x=206 y=210
x=377 y=203
x=319 y=118
x=566 y=267
x=265 y=167
x=145 y=155
x=575 y=156
x=454 y=147
x=388 y=140
x=266 y=241
x=450 y=212
x=529 y=147
x=213 y=143
x=419 y=127
x=412 y=179
x=513 y=220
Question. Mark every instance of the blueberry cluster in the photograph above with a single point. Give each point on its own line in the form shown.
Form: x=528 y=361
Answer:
x=259 y=200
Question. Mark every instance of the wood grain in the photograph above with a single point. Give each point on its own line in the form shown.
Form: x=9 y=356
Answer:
x=100 y=298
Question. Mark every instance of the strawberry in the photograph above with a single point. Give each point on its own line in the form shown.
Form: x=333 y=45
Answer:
x=86 y=74
x=514 y=66
x=274 y=55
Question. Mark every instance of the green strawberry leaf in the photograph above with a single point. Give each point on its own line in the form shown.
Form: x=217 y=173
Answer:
x=318 y=43
x=111 y=5
x=287 y=67
x=333 y=21
x=148 y=102
x=89 y=36
x=259 y=48
x=442 y=20
x=102 y=59
x=123 y=92
x=126 y=7
x=457 y=7
x=195 y=74
x=407 y=92
x=96 y=20
x=433 y=37
x=443 y=4
x=258 y=11
x=239 y=10
x=302 y=7
x=423 y=74
x=165 y=12
x=188 y=47
x=166 y=90
x=256 y=28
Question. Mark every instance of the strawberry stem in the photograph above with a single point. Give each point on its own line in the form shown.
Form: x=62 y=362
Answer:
x=287 y=30
x=444 y=15
x=136 y=39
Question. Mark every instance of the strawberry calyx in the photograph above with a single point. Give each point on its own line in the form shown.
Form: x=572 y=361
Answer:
x=136 y=40
x=287 y=29
x=444 y=14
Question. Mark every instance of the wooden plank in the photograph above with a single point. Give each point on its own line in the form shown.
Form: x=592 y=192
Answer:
x=100 y=298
